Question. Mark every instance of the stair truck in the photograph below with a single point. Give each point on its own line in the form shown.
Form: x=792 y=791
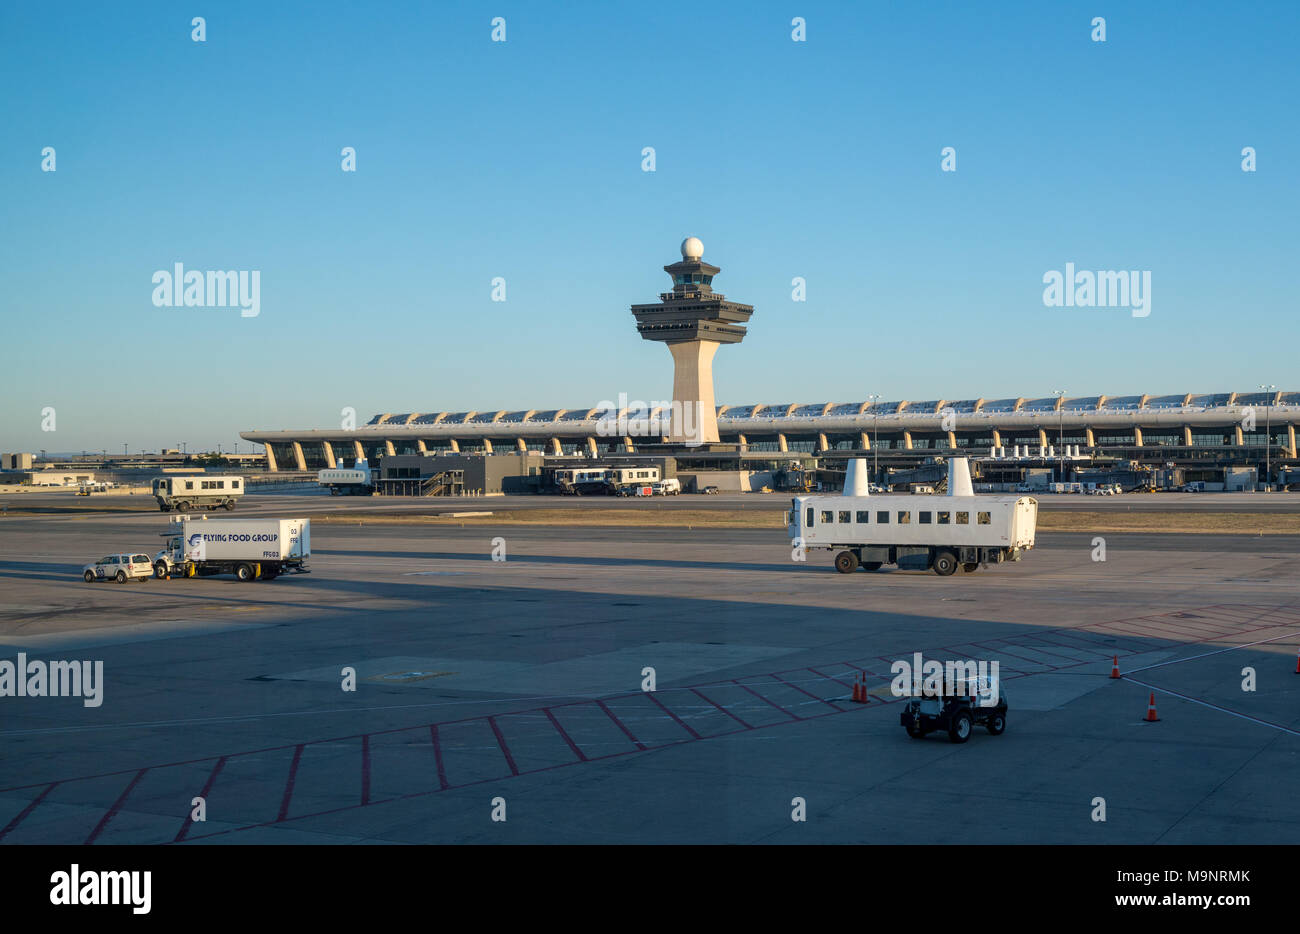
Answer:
x=250 y=549
x=943 y=533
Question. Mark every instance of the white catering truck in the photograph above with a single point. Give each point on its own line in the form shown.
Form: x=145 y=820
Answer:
x=959 y=530
x=248 y=548
x=180 y=493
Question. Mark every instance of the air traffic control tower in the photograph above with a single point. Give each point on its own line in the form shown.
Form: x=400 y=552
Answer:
x=693 y=321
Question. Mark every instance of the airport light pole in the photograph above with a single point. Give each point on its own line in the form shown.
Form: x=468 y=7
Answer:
x=1268 y=436
x=875 y=437
x=1060 y=435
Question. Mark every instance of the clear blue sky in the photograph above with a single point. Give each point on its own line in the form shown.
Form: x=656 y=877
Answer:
x=523 y=160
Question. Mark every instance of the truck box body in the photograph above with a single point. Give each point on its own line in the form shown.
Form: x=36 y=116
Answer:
x=244 y=539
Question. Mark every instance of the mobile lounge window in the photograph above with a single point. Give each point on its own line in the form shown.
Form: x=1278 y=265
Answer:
x=864 y=516
x=984 y=519
x=944 y=518
x=924 y=518
x=844 y=516
x=810 y=516
x=963 y=518
x=904 y=517
x=828 y=516
x=882 y=516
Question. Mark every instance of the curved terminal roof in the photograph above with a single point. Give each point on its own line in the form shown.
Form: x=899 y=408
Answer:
x=1105 y=412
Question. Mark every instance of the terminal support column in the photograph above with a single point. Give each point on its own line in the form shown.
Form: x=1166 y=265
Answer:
x=328 y=450
x=297 y=455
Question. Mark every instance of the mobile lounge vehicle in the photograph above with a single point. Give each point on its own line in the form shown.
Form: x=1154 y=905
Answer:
x=340 y=481
x=248 y=548
x=180 y=493
x=961 y=529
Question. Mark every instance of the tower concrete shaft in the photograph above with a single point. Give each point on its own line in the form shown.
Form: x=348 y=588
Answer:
x=695 y=419
x=693 y=321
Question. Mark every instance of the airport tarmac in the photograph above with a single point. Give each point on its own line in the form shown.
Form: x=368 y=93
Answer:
x=310 y=500
x=517 y=685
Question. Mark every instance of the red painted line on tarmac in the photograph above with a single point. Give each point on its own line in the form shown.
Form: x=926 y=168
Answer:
x=831 y=678
x=288 y=785
x=501 y=741
x=680 y=722
x=802 y=691
x=207 y=787
x=437 y=756
x=621 y=725
x=572 y=745
x=1038 y=648
x=723 y=709
x=117 y=806
x=365 y=769
x=788 y=713
x=27 y=810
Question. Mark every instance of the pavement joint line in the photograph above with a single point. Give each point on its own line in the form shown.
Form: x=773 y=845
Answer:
x=1227 y=710
x=1231 y=648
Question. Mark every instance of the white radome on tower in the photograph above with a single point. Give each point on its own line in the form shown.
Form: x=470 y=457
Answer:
x=692 y=248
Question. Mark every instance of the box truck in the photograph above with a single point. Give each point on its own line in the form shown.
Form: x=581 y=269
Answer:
x=248 y=548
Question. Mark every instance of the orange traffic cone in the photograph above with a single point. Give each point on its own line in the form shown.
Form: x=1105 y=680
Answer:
x=1151 y=709
x=1114 y=667
x=860 y=690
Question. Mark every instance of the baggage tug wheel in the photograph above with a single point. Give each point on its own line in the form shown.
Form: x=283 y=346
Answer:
x=846 y=562
x=960 y=729
x=945 y=562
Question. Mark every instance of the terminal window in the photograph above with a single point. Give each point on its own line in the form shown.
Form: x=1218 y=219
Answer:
x=904 y=517
x=984 y=518
x=864 y=516
x=963 y=518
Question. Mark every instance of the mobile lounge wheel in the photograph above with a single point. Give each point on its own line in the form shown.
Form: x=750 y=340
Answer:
x=871 y=565
x=970 y=567
x=945 y=562
x=846 y=562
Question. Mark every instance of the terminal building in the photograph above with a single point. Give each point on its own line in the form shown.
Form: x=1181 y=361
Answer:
x=1188 y=429
x=1204 y=433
